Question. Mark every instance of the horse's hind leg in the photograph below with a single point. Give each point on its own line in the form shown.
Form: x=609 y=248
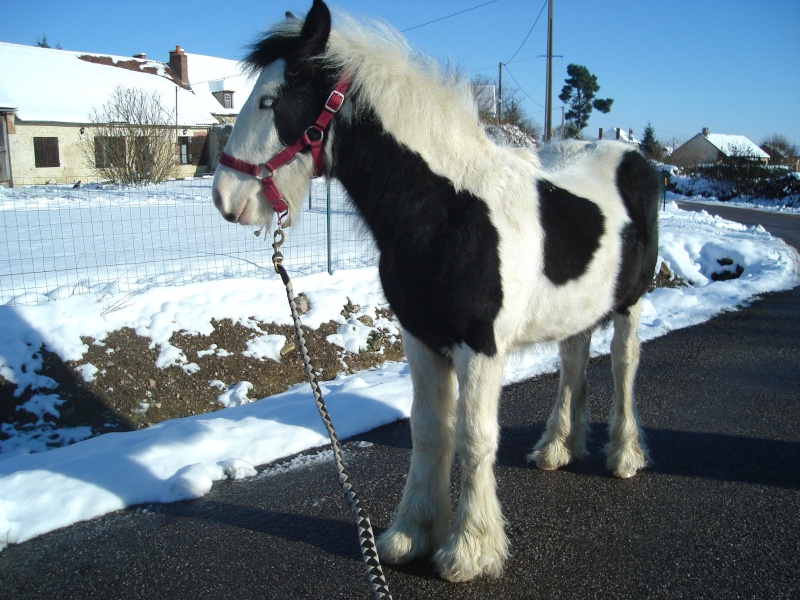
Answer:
x=565 y=435
x=423 y=515
x=626 y=452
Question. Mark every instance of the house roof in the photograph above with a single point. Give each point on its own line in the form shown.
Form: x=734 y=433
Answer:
x=611 y=134
x=208 y=74
x=6 y=103
x=735 y=145
x=45 y=84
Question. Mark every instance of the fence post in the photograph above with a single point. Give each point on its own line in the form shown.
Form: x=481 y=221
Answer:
x=328 y=221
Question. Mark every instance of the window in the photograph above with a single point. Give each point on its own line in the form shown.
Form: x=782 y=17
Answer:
x=109 y=151
x=45 y=152
x=143 y=149
x=192 y=150
x=225 y=98
x=184 y=150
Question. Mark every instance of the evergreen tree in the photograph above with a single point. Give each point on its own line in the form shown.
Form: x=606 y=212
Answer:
x=579 y=94
x=43 y=43
x=649 y=145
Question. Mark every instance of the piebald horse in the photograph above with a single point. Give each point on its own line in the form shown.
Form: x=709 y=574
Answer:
x=481 y=251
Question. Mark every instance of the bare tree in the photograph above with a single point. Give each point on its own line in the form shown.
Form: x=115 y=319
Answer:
x=512 y=113
x=132 y=139
x=780 y=149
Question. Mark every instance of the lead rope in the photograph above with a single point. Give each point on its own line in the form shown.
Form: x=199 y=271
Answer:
x=369 y=552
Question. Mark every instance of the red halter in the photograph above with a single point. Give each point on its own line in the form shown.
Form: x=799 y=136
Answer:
x=312 y=138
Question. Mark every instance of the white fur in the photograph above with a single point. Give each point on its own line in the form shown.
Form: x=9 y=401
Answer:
x=239 y=193
x=455 y=407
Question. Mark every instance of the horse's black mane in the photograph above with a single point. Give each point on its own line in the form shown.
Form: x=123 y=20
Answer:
x=272 y=47
x=293 y=40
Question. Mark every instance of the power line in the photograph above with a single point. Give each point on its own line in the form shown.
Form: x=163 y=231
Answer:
x=461 y=12
x=520 y=87
x=455 y=14
x=529 y=33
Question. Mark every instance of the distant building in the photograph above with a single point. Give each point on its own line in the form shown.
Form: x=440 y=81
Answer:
x=711 y=148
x=619 y=135
x=48 y=95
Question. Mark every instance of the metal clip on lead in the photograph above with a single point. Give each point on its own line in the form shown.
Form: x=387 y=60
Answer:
x=277 y=257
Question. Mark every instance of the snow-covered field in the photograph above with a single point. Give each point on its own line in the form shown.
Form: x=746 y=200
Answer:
x=180 y=459
x=105 y=241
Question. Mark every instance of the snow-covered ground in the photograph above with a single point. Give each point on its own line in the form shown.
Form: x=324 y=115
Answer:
x=175 y=460
x=109 y=241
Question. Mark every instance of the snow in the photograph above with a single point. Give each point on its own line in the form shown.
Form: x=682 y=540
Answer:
x=81 y=86
x=731 y=145
x=177 y=460
x=209 y=74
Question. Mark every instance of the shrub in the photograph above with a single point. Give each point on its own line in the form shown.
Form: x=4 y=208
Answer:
x=740 y=178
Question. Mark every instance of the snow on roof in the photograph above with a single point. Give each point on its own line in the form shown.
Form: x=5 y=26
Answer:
x=6 y=103
x=209 y=74
x=738 y=145
x=45 y=84
x=611 y=134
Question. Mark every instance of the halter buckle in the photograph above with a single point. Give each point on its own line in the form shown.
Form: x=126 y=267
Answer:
x=334 y=102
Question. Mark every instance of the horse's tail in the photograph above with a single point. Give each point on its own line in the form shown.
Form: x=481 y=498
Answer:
x=639 y=185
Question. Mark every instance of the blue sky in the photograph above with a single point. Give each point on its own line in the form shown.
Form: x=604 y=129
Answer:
x=683 y=65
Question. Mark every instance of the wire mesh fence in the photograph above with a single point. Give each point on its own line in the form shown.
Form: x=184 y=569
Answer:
x=58 y=241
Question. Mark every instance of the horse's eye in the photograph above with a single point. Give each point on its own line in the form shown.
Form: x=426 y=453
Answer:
x=267 y=102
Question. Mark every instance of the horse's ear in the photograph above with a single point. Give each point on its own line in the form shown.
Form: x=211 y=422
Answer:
x=316 y=29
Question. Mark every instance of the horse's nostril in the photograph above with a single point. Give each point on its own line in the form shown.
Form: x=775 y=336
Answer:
x=229 y=217
x=217 y=199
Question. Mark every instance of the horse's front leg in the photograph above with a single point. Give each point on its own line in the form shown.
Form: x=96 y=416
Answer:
x=477 y=544
x=423 y=515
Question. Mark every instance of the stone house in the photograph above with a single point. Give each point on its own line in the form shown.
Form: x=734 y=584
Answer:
x=711 y=148
x=48 y=95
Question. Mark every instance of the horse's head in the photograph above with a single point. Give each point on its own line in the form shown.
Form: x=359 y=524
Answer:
x=288 y=97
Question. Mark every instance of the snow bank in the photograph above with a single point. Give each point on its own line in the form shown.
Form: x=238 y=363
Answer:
x=180 y=459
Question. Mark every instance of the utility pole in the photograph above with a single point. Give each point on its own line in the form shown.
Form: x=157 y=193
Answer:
x=499 y=93
x=548 y=101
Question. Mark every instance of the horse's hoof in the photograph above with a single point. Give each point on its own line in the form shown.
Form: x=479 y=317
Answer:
x=549 y=458
x=542 y=463
x=625 y=474
x=469 y=557
x=397 y=547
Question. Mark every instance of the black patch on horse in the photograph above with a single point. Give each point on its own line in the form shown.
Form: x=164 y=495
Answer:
x=439 y=262
x=572 y=228
x=298 y=102
x=640 y=188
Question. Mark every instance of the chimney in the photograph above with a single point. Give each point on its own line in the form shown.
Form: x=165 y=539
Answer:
x=600 y=134
x=140 y=55
x=706 y=132
x=630 y=135
x=179 y=64
x=619 y=131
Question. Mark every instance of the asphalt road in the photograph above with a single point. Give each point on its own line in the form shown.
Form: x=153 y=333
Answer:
x=716 y=516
